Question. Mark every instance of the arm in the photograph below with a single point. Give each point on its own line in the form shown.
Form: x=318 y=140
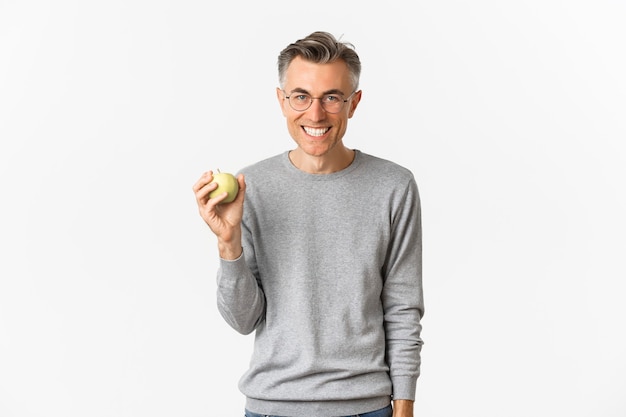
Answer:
x=240 y=299
x=402 y=408
x=403 y=299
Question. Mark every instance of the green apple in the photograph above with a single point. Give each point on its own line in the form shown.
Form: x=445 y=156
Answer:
x=225 y=182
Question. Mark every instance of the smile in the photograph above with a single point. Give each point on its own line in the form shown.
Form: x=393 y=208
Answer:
x=320 y=131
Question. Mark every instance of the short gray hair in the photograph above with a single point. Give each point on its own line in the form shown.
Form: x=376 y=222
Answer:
x=320 y=48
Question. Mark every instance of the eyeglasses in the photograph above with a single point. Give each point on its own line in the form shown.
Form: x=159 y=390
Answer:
x=331 y=103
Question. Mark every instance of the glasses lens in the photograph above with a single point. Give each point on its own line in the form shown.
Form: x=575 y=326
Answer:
x=300 y=102
x=332 y=103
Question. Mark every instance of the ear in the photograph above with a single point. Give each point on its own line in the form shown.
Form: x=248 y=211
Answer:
x=354 y=102
x=280 y=95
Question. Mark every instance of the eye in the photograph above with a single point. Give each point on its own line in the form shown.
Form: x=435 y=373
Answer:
x=332 y=98
x=300 y=97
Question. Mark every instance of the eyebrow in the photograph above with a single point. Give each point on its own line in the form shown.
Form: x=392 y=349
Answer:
x=302 y=90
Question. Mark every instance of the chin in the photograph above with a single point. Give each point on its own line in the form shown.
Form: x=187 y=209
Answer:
x=315 y=149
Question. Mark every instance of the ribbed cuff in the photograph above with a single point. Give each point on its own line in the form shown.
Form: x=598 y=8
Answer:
x=404 y=387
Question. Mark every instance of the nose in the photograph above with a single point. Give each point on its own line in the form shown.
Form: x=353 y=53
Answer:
x=316 y=112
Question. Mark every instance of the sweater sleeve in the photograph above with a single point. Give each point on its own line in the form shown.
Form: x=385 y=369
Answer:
x=240 y=298
x=402 y=296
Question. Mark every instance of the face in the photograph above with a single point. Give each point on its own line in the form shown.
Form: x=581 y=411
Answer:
x=316 y=132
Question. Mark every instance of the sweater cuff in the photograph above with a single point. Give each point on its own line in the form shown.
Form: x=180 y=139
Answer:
x=233 y=267
x=231 y=260
x=404 y=387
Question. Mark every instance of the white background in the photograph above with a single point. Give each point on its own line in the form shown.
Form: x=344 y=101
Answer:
x=510 y=114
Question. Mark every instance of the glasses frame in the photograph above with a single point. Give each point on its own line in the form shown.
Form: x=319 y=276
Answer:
x=343 y=102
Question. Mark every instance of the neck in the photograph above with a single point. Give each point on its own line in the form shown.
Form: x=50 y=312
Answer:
x=323 y=164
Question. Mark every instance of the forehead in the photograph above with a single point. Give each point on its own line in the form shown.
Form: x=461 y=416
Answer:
x=317 y=78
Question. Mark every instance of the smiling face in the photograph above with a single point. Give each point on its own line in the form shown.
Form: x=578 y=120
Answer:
x=318 y=133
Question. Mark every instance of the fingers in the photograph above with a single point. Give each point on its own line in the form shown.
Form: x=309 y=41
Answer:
x=202 y=187
x=241 y=180
x=204 y=179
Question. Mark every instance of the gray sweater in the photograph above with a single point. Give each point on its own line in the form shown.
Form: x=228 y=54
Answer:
x=330 y=280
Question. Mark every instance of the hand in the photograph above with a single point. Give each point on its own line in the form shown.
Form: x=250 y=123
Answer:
x=402 y=408
x=224 y=220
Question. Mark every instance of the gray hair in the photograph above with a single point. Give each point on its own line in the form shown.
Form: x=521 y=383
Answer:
x=320 y=48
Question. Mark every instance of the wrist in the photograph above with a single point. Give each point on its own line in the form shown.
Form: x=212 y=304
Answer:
x=403 y=408
x=229 y=251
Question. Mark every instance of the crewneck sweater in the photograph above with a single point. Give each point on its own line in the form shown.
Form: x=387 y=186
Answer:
x=330 y=281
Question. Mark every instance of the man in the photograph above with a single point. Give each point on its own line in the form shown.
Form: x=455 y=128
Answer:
x=321 y=255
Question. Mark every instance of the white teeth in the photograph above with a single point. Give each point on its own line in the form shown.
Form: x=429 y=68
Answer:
x=315 y=132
